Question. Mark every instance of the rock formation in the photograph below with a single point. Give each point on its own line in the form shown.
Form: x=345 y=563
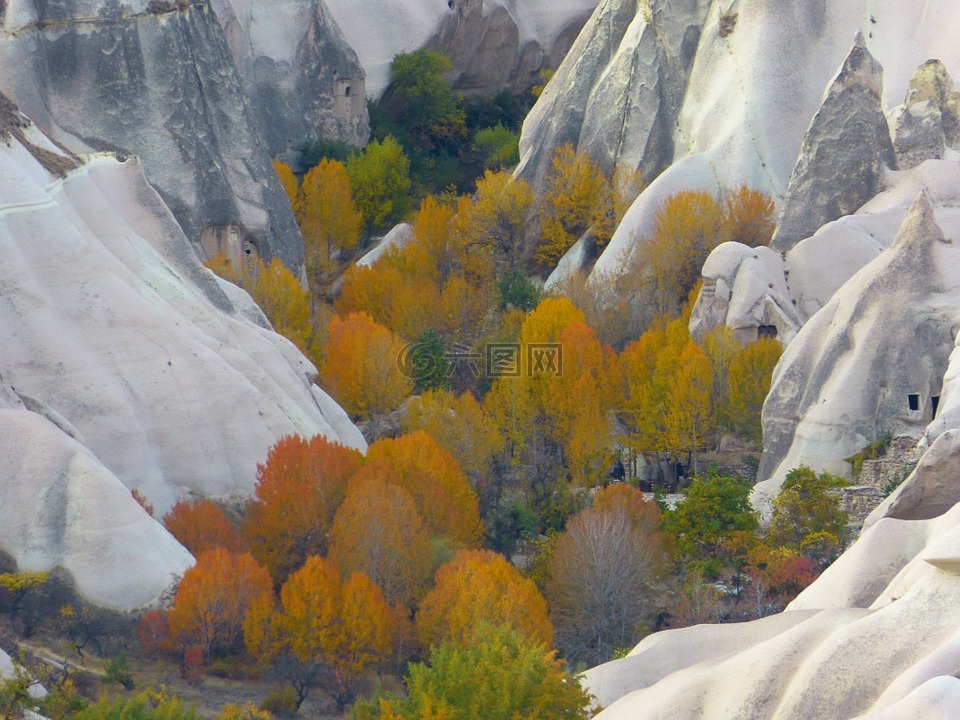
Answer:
x=154 y=79
x=618 y=93
x=872 y=360
x=928 y=122
x=743 y=112
x=303 y=80
x=844 y=153
x=494 y=44
x=116 y=334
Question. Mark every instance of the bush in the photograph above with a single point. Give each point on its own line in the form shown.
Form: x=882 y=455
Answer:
x=282 y=701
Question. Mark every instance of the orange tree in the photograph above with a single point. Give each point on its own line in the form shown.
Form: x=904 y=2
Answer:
x=444 y=499
x=298 y=490
x=213 y=599
x=378 y=531
x=203 y=525
x=361 y=369
x=326 y=632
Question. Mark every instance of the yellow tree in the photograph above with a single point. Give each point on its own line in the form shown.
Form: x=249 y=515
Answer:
x=496 y=218
x=378 y=531
x=324 y=629
x=480 y=586
x=361 y=368
x=749 y=379
x=285 y=303
x=688 y=419
x=330 y=221
x=721 y=346
x=748 y=215
x=459 y=425
x=687 y=227
x=575 y=191
x=619 y=192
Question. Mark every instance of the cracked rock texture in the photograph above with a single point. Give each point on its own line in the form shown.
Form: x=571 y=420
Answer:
x=160 y=84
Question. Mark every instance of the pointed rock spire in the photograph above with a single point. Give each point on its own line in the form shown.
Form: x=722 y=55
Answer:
x=844 y=153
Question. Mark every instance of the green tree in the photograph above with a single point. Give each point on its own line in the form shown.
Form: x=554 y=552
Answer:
x=498 y=674
x=380 y=182
x=421 y=96
x=499 y=146
x=806 y=511
x=715 y=508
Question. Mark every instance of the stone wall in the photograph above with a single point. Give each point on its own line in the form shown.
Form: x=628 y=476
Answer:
x=876 y=475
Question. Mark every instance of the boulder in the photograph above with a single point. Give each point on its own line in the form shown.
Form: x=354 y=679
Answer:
x=62 y=508
x=844 y=154
x=155 y=80
x=745 y=288
x=928 y=122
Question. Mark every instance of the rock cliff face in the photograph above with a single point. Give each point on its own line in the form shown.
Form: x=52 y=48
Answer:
x=872 y=360
x=125 y=364
x=155 y=80
x=927 y=125
x=303 y=79
x=494 y=44
x=743 y=113
x=618 y=93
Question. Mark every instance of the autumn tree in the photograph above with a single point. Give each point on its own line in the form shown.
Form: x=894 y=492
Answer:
x=330 y=220
x=807 y=512
x=720 y=346
x=481 y=586
x=715 y=509
x=22 y=596
x=213 y=599
x=575 y=186
x=498 y=674
x=687 y=227
x=688 y=419
x=281 y=297
x=360 y=369
x=327 y=632
x=749 y=379
x=619 y=191
x=605 y=575
x=380 y=183
x=298 y=491
x=377 y=531
x=748 y=217
x=203 y=525
x=460 y=426
x=496 y=217
x=444 y=499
